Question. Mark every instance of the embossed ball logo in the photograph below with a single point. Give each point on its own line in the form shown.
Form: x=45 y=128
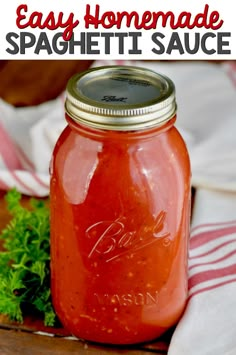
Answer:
x=113 y=240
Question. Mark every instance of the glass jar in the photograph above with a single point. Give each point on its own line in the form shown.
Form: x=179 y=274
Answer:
x=120 y=208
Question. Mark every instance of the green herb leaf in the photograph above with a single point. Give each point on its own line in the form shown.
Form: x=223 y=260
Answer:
x=24 y=262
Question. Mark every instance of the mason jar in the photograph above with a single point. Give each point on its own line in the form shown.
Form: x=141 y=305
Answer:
x=120 y=207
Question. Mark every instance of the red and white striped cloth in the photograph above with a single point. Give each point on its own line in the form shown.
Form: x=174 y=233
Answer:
x=206 y=96
x=208 y=326
x=27 y=137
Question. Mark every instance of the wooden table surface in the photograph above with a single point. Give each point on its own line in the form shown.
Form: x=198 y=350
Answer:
x=18 y=339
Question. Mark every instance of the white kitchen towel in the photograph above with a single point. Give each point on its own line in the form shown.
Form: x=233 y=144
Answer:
x=206 y=99
x=208 y=326
x=27 y=136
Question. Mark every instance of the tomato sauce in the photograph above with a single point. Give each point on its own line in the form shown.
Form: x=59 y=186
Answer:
x=120 y=207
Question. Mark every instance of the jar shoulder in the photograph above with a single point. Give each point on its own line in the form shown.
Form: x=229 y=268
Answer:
x=73 y=150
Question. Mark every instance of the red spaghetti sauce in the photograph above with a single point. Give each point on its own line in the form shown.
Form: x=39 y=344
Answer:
x=119 y=231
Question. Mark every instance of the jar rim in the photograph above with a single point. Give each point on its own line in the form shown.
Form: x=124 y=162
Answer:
x=120 y=98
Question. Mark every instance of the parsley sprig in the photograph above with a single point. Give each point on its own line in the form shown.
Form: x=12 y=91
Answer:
x=24 y=261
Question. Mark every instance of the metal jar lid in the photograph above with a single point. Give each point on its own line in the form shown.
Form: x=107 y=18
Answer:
x=120 y=98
